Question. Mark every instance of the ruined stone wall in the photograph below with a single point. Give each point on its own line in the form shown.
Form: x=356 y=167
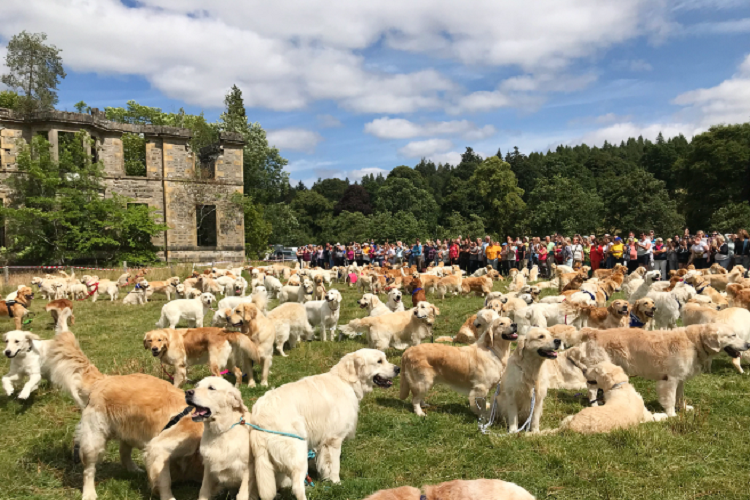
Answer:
x=170 y=177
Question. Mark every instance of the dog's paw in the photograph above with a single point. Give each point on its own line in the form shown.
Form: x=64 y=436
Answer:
x=264 y=383
x=658 y=417
x=24 y=394
x=689 y=408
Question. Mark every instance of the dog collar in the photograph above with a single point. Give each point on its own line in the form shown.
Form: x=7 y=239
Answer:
x=423 y=497
x=606 y=296
x=416 y=290
x=593 y=297
x=701 y=290
x=635 y=322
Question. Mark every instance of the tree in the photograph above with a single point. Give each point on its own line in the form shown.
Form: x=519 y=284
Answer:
x=8 y=99
x=82 y=107
x=457 y=225
x=715 y=172
x=401 y=195
x=563 y=205
x=285 y=228
x=257 y=228
x=731 y=218
x=355 y=199
x=57 y=213
x=399 y=226
x=639 y=202
x=347 y=227
x=234 y=119
x=35 y=68
x=404 y=172
x=310 y=208
x=495 y=183
x=333 y=188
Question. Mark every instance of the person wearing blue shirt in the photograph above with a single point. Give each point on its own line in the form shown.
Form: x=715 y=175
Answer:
x=416 y=252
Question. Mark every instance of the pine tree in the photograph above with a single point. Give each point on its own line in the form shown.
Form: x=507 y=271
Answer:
x=234 y=118
x=36 y=69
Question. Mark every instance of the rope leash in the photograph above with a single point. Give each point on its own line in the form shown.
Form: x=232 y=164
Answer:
x=484 y=427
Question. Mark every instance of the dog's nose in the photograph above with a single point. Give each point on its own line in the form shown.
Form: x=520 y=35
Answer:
x=558 y=342
x=189 y=393
x=397 y=370
x=7 y=353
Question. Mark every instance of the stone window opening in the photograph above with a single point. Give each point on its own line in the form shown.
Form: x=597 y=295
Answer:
x=208 y=156
x=205 y=223
x=134 y=153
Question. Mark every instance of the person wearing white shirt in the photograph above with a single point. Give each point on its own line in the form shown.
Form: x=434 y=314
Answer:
x=645 y=251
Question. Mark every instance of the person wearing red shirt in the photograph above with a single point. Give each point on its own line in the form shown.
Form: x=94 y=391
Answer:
x=596 y=255
x=453 y=253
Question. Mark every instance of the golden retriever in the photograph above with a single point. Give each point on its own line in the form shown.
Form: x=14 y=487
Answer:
x=61 y=310
x=167 y=287
x=615 y=315
x=623 y=407
x=180 y=348
x=18 y=308
x=227 y=462
x=262 y=334
x=736 y=317
x=399 y=329
x=469 y=331
x=525 y=380
x=642 y=314
x=480 y=286
x=449 y=284
x=476 y=489
x=322 y=410
x=668 y=356
x=472 y=369
x=702 y=286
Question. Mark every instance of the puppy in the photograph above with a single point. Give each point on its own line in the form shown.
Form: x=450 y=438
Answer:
x=398 y=330
x=322 y=410
x=623 y=407
x=525 y=379
x=325 y=313
x=191 y=310
x=227 y=462
x=477 y=489
x=472 y=369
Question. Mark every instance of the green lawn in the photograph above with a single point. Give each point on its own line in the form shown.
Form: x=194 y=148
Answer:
x=703 y=454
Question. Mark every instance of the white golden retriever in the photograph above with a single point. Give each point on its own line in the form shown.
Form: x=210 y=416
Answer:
x=374 y=305
x=395 y=303
x=27 y=353
x=325 y=313
x=191 y=310
x=291 y=323
x=224 y=450
x=322 y=410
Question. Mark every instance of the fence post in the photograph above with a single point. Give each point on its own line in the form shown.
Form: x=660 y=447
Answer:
x=171 y=270
x=6 y=274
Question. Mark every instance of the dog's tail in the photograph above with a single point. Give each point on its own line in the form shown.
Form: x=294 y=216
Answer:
x=405 y=372
x=355 y=327
x=70 y=369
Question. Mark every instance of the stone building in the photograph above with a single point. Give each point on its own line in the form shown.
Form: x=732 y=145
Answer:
x=204 y=225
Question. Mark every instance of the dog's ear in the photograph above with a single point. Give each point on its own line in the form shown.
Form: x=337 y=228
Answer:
x=348 y=367
x=711 y=341
x=32 y=336
x=435 y=311
x=234 y=398
x=145 y=339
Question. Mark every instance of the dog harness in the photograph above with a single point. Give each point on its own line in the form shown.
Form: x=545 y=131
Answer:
x=96 y=289
x=9 y=304
x=593 y=297
x=635 y=322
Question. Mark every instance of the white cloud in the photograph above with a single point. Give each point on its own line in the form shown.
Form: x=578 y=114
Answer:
x=419 y=149
x=524 y=91
x=328 y=121
x=287 y=55
x=728 y=102
x=451 y=157
x=399 y=128
x=296 y=139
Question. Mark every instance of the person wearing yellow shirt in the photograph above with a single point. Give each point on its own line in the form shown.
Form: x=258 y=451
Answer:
x=491 y=252
x=616 y=250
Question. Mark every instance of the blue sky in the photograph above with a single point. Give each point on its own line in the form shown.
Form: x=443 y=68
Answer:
x=346 y=88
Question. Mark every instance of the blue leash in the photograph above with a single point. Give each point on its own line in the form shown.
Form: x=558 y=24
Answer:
x=310 y=453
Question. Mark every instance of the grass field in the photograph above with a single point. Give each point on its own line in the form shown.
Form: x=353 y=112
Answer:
x=703 y=454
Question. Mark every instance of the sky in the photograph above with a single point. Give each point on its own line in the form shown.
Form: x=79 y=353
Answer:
x=347 y=88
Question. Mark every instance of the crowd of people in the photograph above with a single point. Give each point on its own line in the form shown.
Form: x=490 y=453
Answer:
x=646 y=249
